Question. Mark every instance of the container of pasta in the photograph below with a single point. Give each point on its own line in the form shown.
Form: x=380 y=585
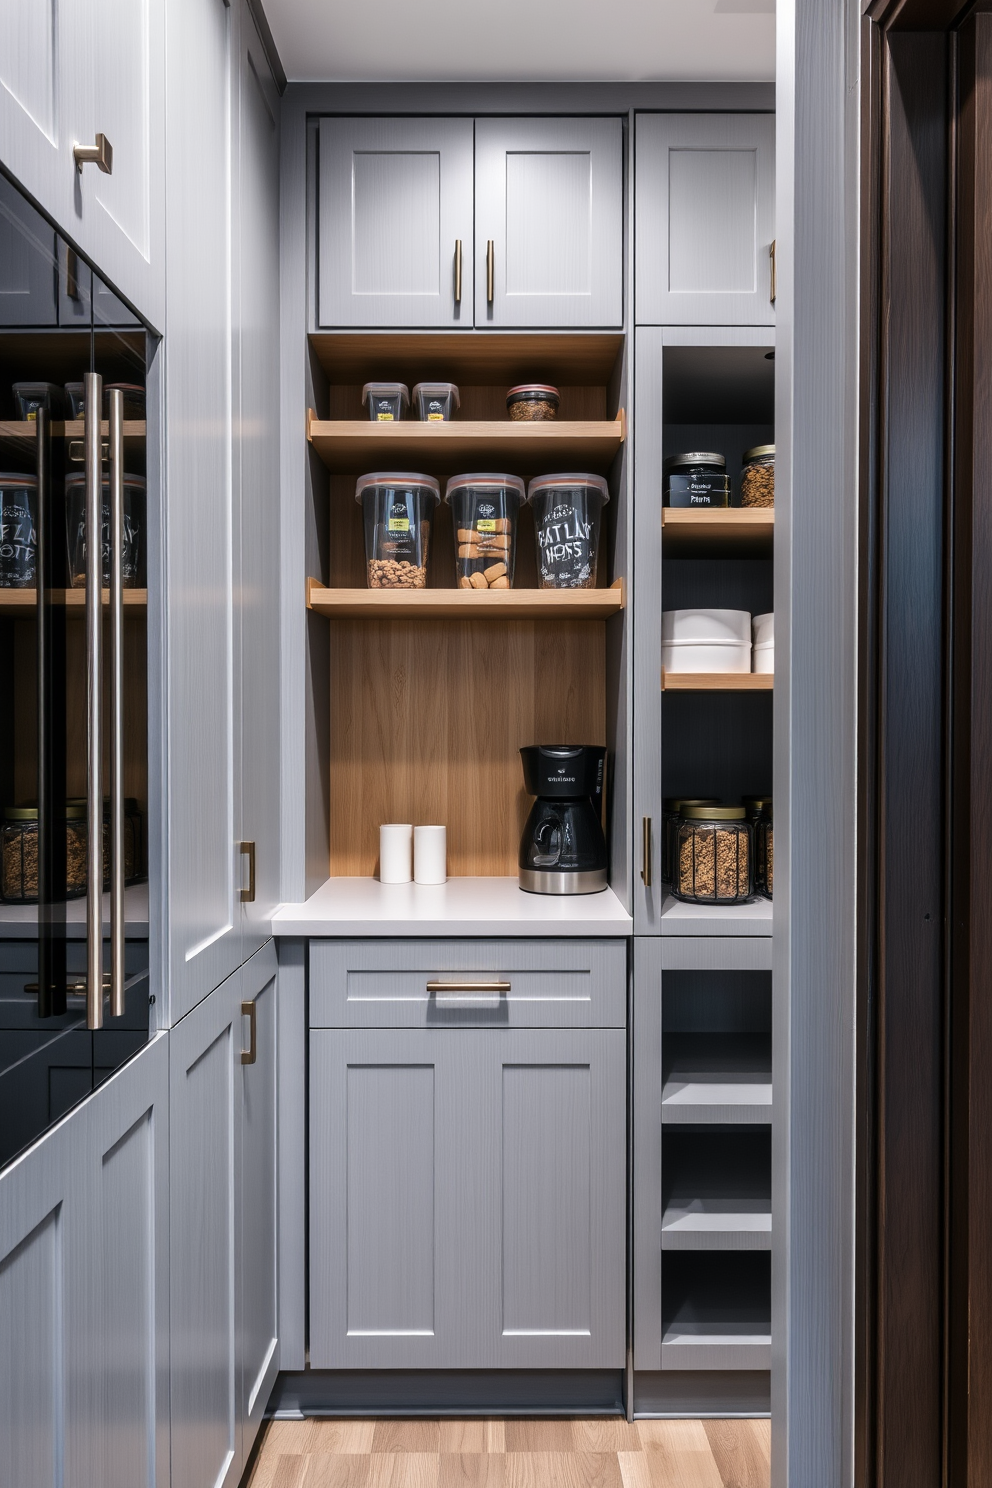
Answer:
x=484 y=510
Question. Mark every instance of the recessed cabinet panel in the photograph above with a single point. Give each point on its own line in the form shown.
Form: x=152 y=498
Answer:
x=32 y=1420
x=27 y=61
x=27 y=262
x=259 y=1327
x=395 y=200
x=705 y=215
x=549 y=200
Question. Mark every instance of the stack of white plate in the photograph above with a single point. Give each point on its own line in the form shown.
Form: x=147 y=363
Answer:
x=706 y=641
x=764 y=643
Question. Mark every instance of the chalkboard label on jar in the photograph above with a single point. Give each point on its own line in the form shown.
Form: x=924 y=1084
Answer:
x=18 y=541
x=697 y=489
x=564 y=543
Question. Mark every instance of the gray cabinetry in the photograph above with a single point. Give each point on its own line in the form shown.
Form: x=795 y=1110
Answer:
x=223 y=1215
x=395 y=199
x=27 y=262
x=84 y=1290
x=705 y=219
x=467 y=1182
x=549 y=198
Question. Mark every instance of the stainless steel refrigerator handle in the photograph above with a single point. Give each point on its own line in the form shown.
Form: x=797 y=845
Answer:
x=116 y=703
x=93 y=535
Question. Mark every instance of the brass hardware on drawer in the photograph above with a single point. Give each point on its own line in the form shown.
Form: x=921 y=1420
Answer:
x=462 y=987
x=249 y=1055
x=490 y=271
x=646 y=850
x=771 y=271
x=100 y=154
x=247 y=849
x=458 y=271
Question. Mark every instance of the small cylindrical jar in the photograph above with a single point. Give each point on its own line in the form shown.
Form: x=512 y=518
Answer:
x=758 y=810
x=531 y=402
x=764 y=837
x=396 y=852
x=484 y=510
x=671 y=815
x=758 y=476
x=398 y=510
x=697 y=478
x=435 y=402
x=19 y=861
x=386 y=401
x=714 y=857
x=568 y=512
x=430 y=855
x=18 y=531
x=30 y=396
x=134 y=529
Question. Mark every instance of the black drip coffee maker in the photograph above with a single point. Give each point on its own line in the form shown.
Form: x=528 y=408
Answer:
x=563 y=850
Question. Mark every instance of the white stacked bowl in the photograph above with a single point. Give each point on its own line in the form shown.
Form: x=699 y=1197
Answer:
x=764 y=643
x=706 y=641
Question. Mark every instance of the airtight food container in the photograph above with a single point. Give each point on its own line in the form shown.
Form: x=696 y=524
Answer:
x=18 y=531
x=671 y=813
x=398 y=509
x=134 y=529
x=763 y=653
x=532 y=401
x=75 y=393
x=706 y=641
x=758 y=476
x=697 y=478
x=568 y=512
x=713 y=861
x=30 y=396
x=386 y=401
x=435 y=402
x=484 y=509
x=134 y=398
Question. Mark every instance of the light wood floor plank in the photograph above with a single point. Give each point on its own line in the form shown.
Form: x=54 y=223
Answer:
x=679 y=1455
x=472 y=1470
x=399 y=1469
x=562 y=1470
x=605 y=1434
x=762 y=1432
x=539 y=1436
x=407 y=1436
x=350 y=1470
x=340 y=1437
x=737 y=1454
x=466 y=1437
x=635 y=1470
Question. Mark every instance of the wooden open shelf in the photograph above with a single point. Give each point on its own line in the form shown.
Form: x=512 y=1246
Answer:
x=747 y=532
x=346 y=444
x=465 y=604
x=717 y=681
x=71 y=429
x=20 y=603
x=571 y=357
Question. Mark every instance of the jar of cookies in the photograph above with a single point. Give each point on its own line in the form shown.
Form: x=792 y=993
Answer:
x=398 y=509
x=484 y=508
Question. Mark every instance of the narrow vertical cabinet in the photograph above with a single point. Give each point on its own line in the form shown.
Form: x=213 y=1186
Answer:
x=84 y=1291
x=223 y=1216
x=396 y=232
x=705 y=219
x=549 y=222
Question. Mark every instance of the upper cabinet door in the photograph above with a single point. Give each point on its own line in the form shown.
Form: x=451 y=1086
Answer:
x=705 y=219
x=27 y=262
x=549 y=222
x=395 y=203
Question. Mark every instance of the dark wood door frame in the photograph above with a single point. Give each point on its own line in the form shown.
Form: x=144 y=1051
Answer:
x=924 y=1182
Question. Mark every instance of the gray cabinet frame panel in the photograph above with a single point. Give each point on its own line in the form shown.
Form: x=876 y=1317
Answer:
x=369 y=983
x=340 y=140
x=646 y=1176
x=495 y=140
x=655 y=303
x=648 y=436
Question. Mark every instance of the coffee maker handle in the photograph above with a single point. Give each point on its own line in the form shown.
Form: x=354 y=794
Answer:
x=549 y=851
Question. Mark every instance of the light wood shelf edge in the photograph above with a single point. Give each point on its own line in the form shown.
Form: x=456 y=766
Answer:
x=70 y=429
x=466 y=604
x=717 y=681
x=25 y=601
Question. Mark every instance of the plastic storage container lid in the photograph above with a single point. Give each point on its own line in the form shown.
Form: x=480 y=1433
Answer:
x=486 y=480
x=37 y=387
x=10 y=479
x=695 y=457
x=386 y=390
x=398 y=479
x=430 y=390
x=548 y=482
x=78 y=478
x=714 y=813
x=705 y=627
x=30 y=813
x=757 y=452
x=533 y=389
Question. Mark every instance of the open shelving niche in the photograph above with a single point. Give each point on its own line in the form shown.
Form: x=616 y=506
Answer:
x=423 y=721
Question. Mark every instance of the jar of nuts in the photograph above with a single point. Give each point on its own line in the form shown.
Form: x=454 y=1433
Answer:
x=714 y=856
x=532 y=401
x=19 y=876
x=758 y=476
x=398 y=510
x=484 y=509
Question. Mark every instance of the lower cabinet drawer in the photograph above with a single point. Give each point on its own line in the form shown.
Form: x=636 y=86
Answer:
x=467 y=1198
x=468 y=983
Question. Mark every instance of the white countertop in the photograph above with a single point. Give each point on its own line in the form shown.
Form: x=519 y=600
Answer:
x=462 y=906
x=20 y=921
x=709 y=919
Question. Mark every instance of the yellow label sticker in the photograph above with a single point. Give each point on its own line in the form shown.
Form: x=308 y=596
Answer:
x=384 y=418
x=486 y=524
x=435 y=418
x=33 y=416
x=399 y=524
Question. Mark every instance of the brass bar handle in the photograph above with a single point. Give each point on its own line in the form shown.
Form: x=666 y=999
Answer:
x=100 y=154
x=93 y=535
x=490 y=271
x=116 y=428
x=771 y=271
x=458 y=271
x=646 y=852
x=247 y=850
x=249 y=1055
x=490 y=987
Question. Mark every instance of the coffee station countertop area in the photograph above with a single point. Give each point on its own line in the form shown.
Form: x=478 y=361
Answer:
x=462 y=906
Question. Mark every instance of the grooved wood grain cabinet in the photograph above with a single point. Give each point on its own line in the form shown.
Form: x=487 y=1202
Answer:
x=467 y=1174
x=224 y=1347
x=705 y=219
x=84 y=1291
x=454 y=222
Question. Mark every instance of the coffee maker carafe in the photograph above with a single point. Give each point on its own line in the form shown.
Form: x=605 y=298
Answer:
x=563 y=850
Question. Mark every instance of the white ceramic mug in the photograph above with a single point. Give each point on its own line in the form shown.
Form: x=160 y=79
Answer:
x=430 y=855
x=395 y=852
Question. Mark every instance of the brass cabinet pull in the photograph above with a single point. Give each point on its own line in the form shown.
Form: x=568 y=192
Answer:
x=490 y=270
x=92 y=409
x=116 y=427
x=249 y=1055
x=646 y=869
x=100 y=154
x=458 y=271
x=247 y=850
x=771 y=270
x=487 y=987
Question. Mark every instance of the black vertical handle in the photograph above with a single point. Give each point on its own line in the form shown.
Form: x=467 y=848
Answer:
x=51 y=724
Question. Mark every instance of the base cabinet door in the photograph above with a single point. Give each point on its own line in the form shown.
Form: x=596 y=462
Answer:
x=467 y=1198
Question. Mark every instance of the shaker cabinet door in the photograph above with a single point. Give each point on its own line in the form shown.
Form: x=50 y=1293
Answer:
x=395 y=202
x=27 y=262
x=549 y=222
x=705 y=219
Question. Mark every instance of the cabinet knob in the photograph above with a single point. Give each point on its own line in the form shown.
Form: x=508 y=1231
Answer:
x=100 y=154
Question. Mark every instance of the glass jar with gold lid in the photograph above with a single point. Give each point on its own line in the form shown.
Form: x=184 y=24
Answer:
x=714 y=856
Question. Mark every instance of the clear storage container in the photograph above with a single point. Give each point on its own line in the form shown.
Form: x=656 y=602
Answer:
x=697 y=478
x=759 y=813
x=30 y=396
x=568 y=512
x=436 y=402
x=531 y=402
x=484 y=509
x=758 y=476
x=398 y=509
x=19 y=878
x=671 y=813
x=18 y=531
x=134 y=529
x=386 y=401
x=714 y=858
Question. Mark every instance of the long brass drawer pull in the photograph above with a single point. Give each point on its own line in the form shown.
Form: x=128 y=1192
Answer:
x=489 y=988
